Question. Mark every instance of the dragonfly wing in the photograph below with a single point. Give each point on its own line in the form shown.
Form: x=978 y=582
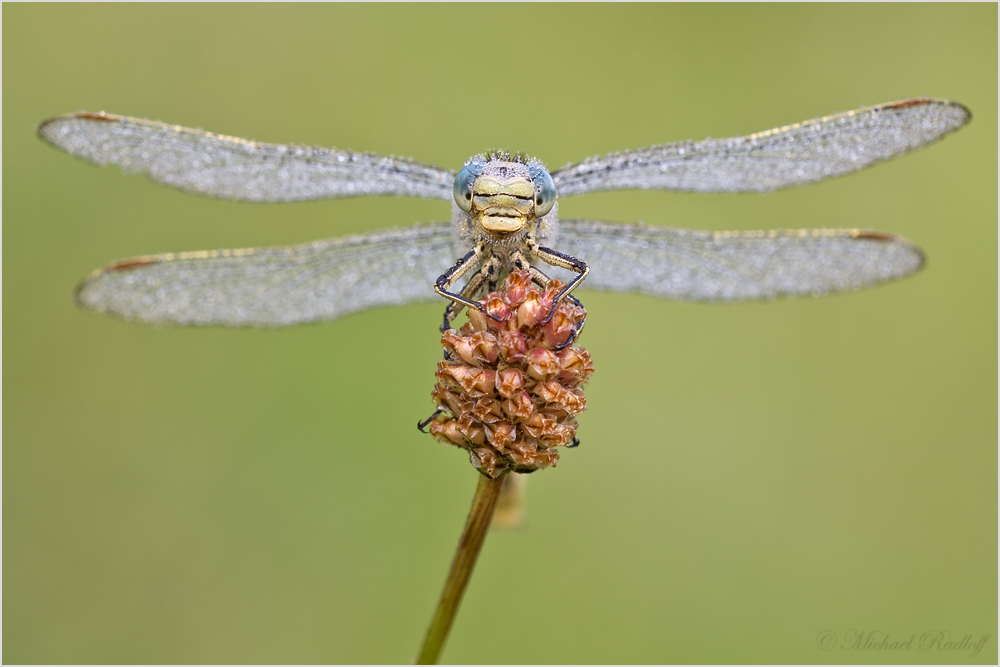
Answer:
x=785 y=156
x=266 y=287
x=231 y=168
x=734 y=266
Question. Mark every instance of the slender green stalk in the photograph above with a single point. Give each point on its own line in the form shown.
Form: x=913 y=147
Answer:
x=480 y=516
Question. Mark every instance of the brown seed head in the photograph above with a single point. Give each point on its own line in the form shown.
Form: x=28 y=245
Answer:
x=512 y=395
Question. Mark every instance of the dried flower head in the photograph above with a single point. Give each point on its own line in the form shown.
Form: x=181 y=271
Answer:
x=509 y=388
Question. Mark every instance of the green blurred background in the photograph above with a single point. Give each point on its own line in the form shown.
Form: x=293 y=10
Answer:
x=755 y=476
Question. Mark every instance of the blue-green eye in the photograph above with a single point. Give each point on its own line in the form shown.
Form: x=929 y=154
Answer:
x=545 y=192
x=463 y=185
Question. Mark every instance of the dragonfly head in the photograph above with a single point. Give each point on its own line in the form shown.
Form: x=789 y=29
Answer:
x=504 y=192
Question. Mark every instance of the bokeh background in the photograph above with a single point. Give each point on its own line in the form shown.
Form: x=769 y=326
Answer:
x=751 y=476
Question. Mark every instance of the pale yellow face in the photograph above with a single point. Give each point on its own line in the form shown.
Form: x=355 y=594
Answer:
x=503 y=204
x=502 y=195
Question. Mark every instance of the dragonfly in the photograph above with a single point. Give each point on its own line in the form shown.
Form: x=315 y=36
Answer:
x=504 y=217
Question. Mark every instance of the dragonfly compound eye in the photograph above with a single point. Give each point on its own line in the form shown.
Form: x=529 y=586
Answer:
x=463 y=185
x=545 y=192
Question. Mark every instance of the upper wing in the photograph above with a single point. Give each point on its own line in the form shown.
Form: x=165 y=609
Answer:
x=790 y=155
x=733 y=266
x=233 y=168
x=274 y=286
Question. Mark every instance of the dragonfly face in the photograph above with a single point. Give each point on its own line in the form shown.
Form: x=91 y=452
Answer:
x=503 y=195
x=504 y=213
x=505 y=205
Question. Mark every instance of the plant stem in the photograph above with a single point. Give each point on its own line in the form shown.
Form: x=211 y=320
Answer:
x=480 y=516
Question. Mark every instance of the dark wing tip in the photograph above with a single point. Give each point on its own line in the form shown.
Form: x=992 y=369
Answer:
x=131 y=263
x=923 y=101
x=100 y=116
x=97 y=116
x=874 y=236
x=966 y=111
x=920 y=259
x=79 y=298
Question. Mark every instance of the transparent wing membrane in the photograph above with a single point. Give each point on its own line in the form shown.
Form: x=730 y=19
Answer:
x=316 y=281
x=785 y=156
x=231 y=168
x=734 y=266
x=327 y=279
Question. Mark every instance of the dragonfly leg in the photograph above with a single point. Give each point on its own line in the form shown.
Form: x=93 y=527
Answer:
x=487 y=273
x=452 y=310
x=421 y=425
x=542 y=280
x=550 y=256
x=455 y=273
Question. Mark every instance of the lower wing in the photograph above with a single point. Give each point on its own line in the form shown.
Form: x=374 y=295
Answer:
x=267 y=287
x=735 y=266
